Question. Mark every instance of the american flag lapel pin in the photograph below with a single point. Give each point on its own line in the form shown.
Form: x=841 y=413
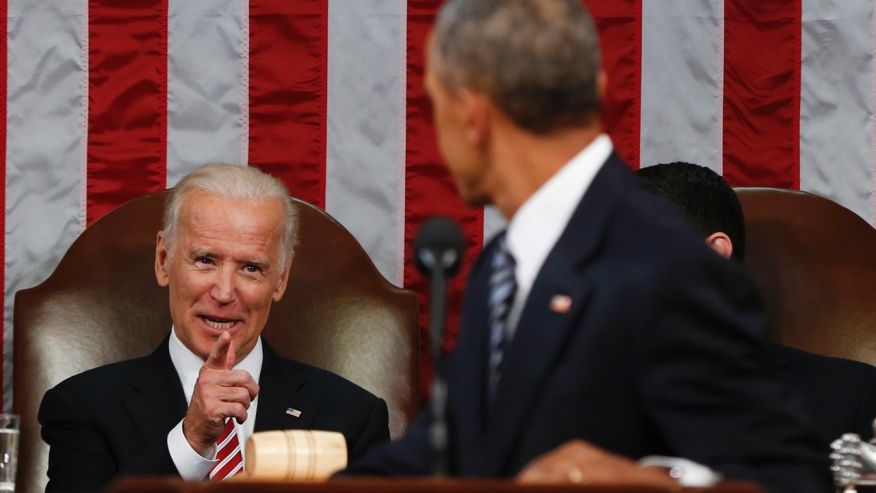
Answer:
x=561 y=303
x=295 y=413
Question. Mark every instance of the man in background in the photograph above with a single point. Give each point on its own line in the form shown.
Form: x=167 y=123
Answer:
x=598 y=329
x=224 y=252
x=839 y=395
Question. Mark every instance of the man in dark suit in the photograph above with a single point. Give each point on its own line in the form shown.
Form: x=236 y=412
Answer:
x=839 y=395
x=599 y=329
x=224 y=252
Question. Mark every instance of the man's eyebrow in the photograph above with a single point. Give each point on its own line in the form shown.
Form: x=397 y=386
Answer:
x=261 y=264
x=200 y=252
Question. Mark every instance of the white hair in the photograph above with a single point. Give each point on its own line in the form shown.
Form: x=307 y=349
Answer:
x=235 y=182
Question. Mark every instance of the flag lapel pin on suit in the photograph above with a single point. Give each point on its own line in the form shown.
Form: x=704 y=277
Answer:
x=295 y=413
x=561 y=303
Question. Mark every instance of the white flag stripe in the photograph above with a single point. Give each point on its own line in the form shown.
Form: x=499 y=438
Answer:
x=871 y=164
x=365 y=166
x=204 y=85
x=682 y=82
x=836 y=104
x=45 y=145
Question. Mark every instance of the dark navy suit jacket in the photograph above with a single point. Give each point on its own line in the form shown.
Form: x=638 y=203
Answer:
x=839 y=395
x=113 y=420
x=661 y=352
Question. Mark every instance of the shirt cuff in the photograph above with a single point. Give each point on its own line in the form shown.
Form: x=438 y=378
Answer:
x=687 y=472
x=190 y=464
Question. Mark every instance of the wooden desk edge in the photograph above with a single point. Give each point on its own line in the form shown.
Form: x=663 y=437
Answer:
x=400 y=485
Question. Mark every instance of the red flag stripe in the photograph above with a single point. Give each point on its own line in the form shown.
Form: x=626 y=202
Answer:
x=287 y=93
x=429 y=189
x=127 y=89
x=619 y=23
x=762 y=56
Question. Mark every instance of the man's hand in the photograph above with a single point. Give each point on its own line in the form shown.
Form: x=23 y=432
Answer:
x=580 y=462
x=220 y=393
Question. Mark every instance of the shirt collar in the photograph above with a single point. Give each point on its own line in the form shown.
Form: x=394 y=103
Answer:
x=188 y=364
x=539 y=222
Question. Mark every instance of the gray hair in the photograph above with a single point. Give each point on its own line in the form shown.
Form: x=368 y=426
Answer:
x=537 y=60
x=235 y=182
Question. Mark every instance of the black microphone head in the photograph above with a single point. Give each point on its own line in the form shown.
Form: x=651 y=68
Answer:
x=439 y=246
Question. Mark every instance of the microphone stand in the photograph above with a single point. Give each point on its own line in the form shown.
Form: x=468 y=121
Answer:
x=438 y=402
x=439 y=246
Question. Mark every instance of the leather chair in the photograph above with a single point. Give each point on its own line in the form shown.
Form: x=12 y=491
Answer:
x=102 y=304
x=815 y=264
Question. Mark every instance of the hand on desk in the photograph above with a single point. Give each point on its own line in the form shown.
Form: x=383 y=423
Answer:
x=220 y=393
x=580 y=462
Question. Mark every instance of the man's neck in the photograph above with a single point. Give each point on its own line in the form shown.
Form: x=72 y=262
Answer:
x=525 y=161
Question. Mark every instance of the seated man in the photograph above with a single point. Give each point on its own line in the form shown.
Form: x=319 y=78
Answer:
x=224 y=252
x=838 y=394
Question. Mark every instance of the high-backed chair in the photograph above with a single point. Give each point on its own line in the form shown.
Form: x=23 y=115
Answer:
x=102 y=304
x=815 y=264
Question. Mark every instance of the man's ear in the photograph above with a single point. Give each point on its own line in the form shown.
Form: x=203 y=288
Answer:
x=280 y=289
x=720 y=243
x=477 y=112
x=161 y=260
x=601 y=84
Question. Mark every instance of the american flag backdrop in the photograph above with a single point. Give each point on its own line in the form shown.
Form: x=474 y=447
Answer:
x=107 y=100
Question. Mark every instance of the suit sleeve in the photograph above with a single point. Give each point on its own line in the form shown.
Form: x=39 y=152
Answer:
x=408 y=456
x=703 y=372
x=374 y=431
x=80 y=455
x=867 y=406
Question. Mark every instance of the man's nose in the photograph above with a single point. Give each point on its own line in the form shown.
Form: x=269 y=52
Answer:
x=224 y=290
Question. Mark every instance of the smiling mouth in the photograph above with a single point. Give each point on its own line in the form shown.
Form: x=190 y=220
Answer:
x=218 y=323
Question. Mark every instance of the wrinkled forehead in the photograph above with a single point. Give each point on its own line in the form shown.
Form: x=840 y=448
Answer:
x=210 y=215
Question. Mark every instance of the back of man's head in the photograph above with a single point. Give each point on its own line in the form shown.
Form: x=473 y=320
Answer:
x=703 y=196
x=537 y=60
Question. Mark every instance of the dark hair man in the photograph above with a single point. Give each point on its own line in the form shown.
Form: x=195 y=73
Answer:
x=224 y=253
x=598 y=329
x=838 y=394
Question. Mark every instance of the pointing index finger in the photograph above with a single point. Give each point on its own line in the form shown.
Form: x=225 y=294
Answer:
x=222 y=355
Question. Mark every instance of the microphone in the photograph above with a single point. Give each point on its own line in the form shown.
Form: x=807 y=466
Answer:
x=439 y=245
x=438 y=250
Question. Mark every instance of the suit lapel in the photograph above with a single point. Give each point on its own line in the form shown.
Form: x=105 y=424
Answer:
x=557 y=301
x=283 y=394
x=468 y=381
x=156 y=402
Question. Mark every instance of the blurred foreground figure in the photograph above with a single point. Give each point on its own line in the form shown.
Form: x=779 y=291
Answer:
x=224 y=252
x=598 y=329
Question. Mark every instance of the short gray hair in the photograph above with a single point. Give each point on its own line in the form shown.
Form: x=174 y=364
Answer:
x=235 y=182
x=537 y=60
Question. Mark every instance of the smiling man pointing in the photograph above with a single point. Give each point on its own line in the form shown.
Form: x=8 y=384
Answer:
x=224 y=253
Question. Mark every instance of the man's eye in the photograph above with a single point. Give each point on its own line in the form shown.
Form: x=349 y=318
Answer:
x=204 y=260
x=252 y=268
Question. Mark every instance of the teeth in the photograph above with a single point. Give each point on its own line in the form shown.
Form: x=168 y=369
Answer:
x=218 y=325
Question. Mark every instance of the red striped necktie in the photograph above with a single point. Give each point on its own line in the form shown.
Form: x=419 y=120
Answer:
x=229 y=459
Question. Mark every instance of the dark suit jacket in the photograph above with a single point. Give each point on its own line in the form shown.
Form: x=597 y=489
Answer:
x=839 y=395
x=661 y=352
x=113 y=420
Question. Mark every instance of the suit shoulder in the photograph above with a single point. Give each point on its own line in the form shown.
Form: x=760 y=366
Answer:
x=100 y=378
x=826 y=366
x=329 y=385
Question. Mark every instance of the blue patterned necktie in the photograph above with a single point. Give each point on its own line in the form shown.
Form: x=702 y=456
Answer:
x=503 y=285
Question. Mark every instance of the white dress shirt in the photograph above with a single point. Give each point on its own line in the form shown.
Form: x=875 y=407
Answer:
x=538 y=223
x=532 y=233
x=190 y=464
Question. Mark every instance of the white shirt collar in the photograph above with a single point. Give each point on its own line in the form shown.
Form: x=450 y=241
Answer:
x=188 y=364
x=539 y=222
